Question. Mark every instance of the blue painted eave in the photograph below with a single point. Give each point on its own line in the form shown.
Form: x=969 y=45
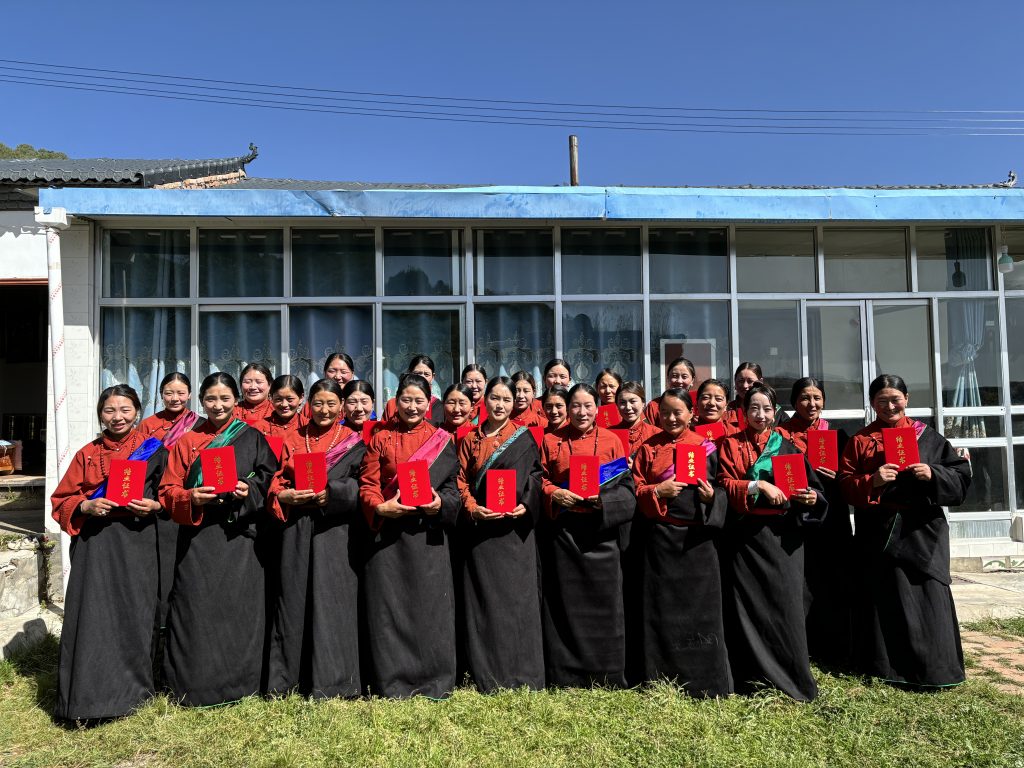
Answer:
x=601 y=203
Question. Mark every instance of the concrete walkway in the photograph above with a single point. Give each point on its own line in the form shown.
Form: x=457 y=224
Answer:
x=998 y=595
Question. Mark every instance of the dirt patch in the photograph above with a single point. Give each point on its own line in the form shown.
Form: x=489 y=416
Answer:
x=998 y=659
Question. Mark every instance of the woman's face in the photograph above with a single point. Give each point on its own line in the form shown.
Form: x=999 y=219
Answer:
x=711 y=404
x=522 y=395
x=557 y=376
x=412 y=405
x=474 y=380
x=675 y=415
x=175 y=396
x=499 y=404
x=339 y=371
x=582 y=411
x=810 y=403
x=890 y=405
x=680 y=377
x=744 y=381
x=555 y=409
x=325 y=408
x=286 y=403
x=219 y=403
x=631 y=407
x=422 y=369
x=606 y=389
x=760 y=412
x=255 y=387
x=457 y=408
x=118 y=416
x=357 y=408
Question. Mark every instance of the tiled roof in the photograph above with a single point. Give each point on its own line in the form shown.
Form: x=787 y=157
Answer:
x=311 y=186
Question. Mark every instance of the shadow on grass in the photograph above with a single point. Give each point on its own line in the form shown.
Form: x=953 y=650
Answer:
x=34 y=655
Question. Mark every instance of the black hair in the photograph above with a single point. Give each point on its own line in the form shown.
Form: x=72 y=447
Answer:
x=326 y=385
x=413 y=380
x=560 y=392
x=748 y=367
x=219 y=378
x=175 y=376
x=886 y=381
x=712 y=383
x=417 y=359
x=339 y=356
x=523 y=376
x=631 y=388
x=473 y=367
x=557 y=361
x=287 y=381
x=495 y=382
x=583 y=387
x=357 y=385
x=801 y=384
x=679 y=393
x=684 y=362
x=118 y=390
x=760 y=388
x=259 y=368
x=607 y=372
x=459 y=387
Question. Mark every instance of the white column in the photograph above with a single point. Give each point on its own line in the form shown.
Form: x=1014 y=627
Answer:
x=55 y=220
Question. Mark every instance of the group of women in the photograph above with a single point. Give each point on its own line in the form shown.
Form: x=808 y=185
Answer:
x=721 y=585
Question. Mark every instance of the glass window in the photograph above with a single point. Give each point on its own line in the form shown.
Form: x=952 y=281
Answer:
x=601 y=261
x=1015 y=348
x=422 y=262
x=689 y=260
x=241 y=262
x=696 y=330
x=953 y=259
x=1013 y=239
x=603 y=335
x=770 y=336
x=408 y=332
x=834 y=354
x=903 y=346
x=514 y=262
x=969 y=349
x=865 y=260
x=139 y=346
x=228 y=341
x=514 y=337
x=316 y=332
x=333 y=262
x=775 y=261
x=988 y=489
x=146 y=264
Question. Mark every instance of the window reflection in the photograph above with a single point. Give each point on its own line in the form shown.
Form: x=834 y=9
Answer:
x=775 y=260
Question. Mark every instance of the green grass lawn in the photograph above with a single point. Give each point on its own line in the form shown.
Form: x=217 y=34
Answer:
x=1014 y=626
x=852 y=723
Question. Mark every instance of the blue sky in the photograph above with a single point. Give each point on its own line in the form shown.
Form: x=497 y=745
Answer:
x=748 y=55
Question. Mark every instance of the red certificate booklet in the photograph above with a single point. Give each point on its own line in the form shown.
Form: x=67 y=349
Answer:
x=414 y=483
x=623 y=435
x=900 y=445
x=126 y=481
x=501 y=490
x=608 y=416
x=691 y=464
x=276 y=445
x=823 y=448
x=585 y=475
x=218 y=466
x=310 y=471
x=790 y=473
x=711 y=431
x=368 y=428
x=538 y=435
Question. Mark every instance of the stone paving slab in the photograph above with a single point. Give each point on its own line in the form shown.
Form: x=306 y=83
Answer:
x=997 y=595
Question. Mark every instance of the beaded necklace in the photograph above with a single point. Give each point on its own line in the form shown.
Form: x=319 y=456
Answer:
x=318 y=438
x=126 y=443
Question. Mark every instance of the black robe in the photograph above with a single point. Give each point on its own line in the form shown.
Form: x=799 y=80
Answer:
x=314 y=645
x=683 y=626
x=500 y=586
x=582 y=559
x=906 y=622
x=105 y=664
x=408 y=596
x=765 y=604
x=216 y=625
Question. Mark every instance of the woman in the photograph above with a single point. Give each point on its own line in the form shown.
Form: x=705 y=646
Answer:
x=908 y=626
x=747 y=375
x=828 y=548
x=102 y=673
x=681 y=375
x=630 y=402
x=255 y=382
x=216 y=624
x=423 y=366
x=683 y=632
x=607 y=384
x=474 y=378
x=339 y=367
x=712 y=401
x=458 y=406
x=500 y=589
x=556 y=408
x=407 y=577
x=314 y=641
x=582 y=552
x=286 y=393
x=765 y=564
x=557 y=373
x=357 y=404
x=526 y=408
x=176 y=417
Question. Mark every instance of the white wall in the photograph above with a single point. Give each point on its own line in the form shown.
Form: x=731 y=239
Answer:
x=22 y=247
